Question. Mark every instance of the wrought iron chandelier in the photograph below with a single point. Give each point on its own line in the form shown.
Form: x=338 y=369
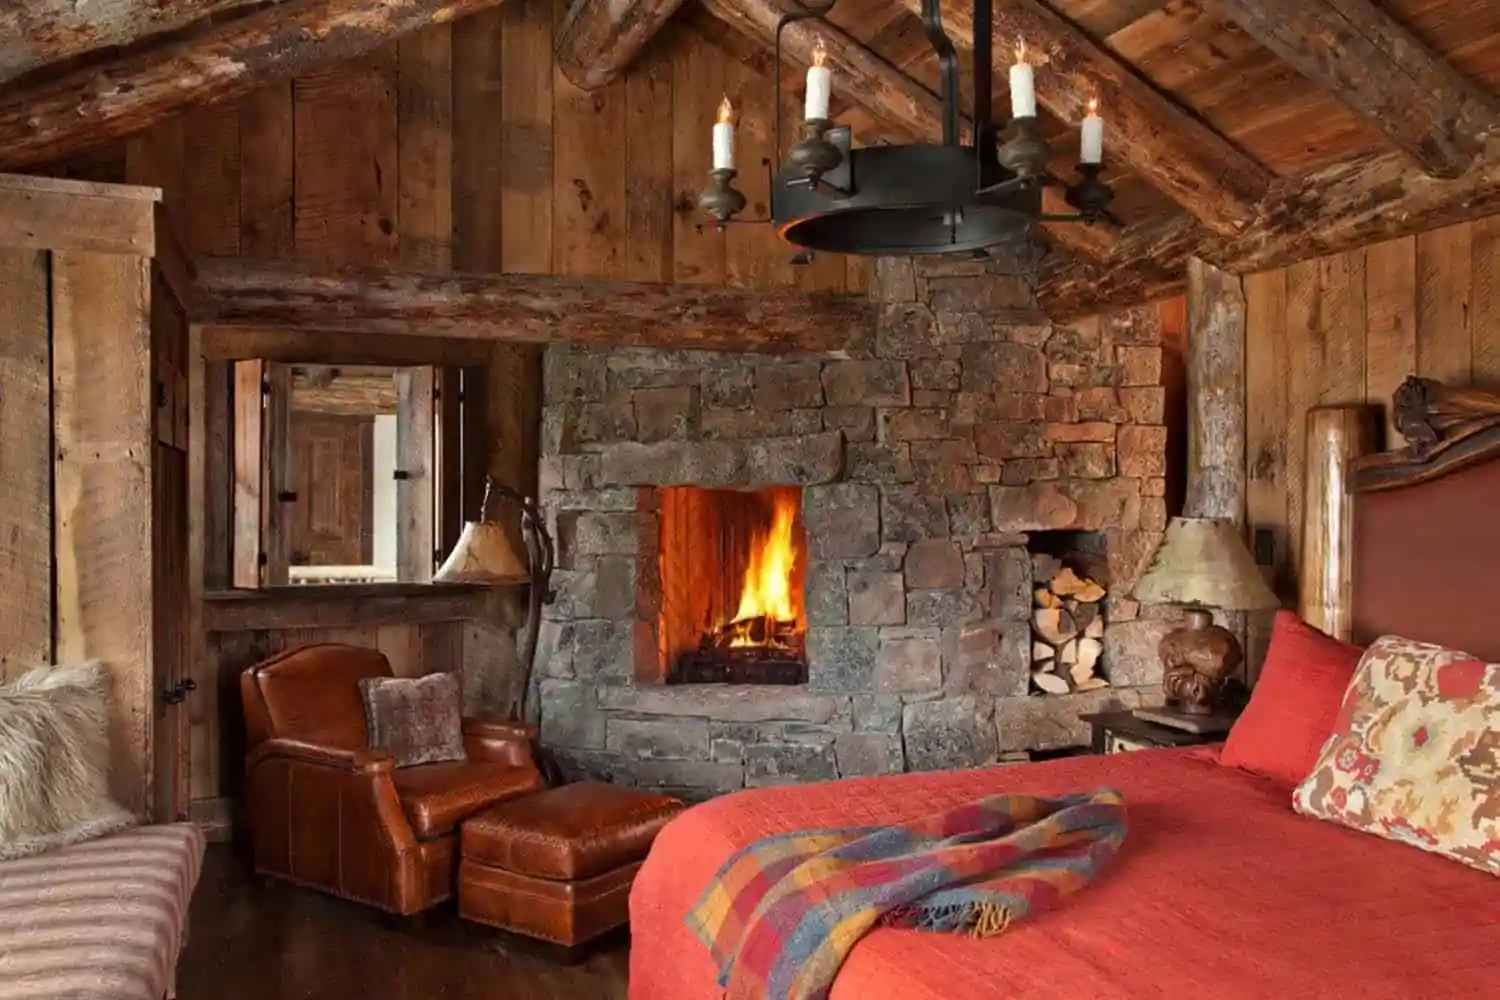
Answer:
x=885 y=200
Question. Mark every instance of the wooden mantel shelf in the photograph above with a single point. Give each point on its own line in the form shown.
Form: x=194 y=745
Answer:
x=329 y=606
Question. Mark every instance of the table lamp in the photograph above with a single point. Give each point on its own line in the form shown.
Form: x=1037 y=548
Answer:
x=1201 y=564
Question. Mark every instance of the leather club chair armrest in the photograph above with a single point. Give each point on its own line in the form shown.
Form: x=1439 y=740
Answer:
x=354 y=761
x=500 y=742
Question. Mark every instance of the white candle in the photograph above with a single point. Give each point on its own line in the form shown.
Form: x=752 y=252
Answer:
x=1092 y=135
x=724 y=137
x=1022 y=86
x=819 y=85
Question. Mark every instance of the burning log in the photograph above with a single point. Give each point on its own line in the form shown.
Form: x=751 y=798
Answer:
x=1067 y=628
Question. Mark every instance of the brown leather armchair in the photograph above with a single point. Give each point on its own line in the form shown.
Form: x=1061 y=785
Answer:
x=328 y=812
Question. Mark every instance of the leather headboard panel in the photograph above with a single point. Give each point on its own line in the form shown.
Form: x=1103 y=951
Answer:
x=1427 y=561
x=311 y=693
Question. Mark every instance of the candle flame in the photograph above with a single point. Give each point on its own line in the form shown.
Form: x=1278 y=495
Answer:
x=1020 y=50
x=726 y=110
x=819 y=53
x=1093 y=105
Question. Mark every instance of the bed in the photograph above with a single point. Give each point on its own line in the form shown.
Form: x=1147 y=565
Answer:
x=1221 y=890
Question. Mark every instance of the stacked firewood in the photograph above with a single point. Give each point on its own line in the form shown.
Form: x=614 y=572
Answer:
x=1067 y=628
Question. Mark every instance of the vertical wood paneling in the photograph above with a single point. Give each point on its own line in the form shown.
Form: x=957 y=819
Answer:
x=588 y=179
x=103 y=441
x=1444 y=282
x=25 y=463
x=527 y=138
x=346 y=174
x=1347 y=329
x=424 y=142
x=416 y=490
x=1304 y=352
x=1391 y=321
x=267 y=173
x=648 y=167
x=1484 y=328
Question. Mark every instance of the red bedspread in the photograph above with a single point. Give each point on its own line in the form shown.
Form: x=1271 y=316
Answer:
x=1220 y=891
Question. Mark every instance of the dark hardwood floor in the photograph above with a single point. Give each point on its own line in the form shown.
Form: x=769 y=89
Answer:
x=254 y=941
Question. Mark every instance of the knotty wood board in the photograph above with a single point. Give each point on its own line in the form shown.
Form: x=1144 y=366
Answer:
x=102 y=493
x=1347 y=329
x=25 y=463
x=415 y=494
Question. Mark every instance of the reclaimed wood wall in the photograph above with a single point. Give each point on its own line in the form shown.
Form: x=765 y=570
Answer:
x=1347 y=329
x=462 y=148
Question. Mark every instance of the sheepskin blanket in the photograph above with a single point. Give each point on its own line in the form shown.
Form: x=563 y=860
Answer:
x=54 y=760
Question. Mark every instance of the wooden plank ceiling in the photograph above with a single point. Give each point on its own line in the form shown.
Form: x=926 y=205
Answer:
x=1235 y=127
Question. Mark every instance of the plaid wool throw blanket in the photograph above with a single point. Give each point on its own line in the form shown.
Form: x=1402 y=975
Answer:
x=782 y=914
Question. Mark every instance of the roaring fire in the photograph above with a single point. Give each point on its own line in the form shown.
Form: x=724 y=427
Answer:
x=767 y=591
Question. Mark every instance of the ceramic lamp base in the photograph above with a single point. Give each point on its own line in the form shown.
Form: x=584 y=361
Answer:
x=1196 y=661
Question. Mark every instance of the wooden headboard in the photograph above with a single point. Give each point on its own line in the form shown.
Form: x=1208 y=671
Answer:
x=1426 y=549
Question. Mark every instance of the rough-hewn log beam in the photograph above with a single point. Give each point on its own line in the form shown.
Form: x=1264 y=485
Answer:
x=1335 y=208
x=95 y=105
x=1167 y=146
x=1356 y=52
x=517 y=308
x=881 y=89
x=599 y=38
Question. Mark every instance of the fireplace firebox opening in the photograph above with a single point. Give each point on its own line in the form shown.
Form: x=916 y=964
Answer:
x=1070 y=581
x=732 y=563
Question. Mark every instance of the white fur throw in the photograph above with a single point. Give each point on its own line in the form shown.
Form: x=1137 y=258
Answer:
x=54 y=760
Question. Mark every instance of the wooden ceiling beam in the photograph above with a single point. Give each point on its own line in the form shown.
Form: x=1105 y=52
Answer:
x=897 y=100
x=1156 y=138
x=1359 y=54
x=598 y=39
x=94 y=105
x=518 y=308
x=1336 y=208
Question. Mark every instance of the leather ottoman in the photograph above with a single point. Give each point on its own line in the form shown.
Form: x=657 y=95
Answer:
x=558 y=865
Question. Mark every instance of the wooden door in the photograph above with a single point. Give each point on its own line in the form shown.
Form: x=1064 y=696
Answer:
x=332 y=520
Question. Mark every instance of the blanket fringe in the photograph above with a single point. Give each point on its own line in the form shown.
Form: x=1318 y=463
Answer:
x=978 y=920
x=989 y=920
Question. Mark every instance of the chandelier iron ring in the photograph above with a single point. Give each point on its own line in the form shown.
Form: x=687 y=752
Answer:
x=953 y=197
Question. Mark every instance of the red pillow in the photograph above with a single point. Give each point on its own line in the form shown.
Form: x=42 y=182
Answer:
x=1295 y=702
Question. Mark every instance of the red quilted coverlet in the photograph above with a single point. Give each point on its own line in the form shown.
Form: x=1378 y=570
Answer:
x=1219 y=891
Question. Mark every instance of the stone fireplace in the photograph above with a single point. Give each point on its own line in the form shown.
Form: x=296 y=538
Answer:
x=928 y=472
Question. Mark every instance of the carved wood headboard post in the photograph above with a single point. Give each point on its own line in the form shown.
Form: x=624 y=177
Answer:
x=1446 y=428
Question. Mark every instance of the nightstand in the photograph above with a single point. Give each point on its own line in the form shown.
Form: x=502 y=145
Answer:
x=1121 y=732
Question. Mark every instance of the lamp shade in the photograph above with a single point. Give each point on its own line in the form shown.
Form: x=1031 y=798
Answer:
x=1203 y=562
x=483 y=554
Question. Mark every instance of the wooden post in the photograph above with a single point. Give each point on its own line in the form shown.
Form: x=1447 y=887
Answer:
x=249 y=430
x=1216 y=474
x=1336 y=435
x=1216 y=394
x=415 y=538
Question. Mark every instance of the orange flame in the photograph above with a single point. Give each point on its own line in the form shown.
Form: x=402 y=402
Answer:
x=819 y=53
x=1020 y=50
x=1093 y=105
x=767 y=590
x=726 y=110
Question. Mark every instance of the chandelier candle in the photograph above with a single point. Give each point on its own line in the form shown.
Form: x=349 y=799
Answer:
x=724 y=137
x=1022 y=85
x=819 y=85
x=1093 y=135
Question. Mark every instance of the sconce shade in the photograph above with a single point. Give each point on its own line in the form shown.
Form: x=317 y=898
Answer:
x=483 y=554
x=1203 y=562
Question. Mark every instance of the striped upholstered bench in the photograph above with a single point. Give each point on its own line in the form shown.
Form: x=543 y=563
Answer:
x=102 y=920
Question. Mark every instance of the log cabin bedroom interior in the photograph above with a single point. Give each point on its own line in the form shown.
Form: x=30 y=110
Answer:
x=790 y=499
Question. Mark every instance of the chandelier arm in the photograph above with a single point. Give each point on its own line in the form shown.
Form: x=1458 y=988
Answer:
x=932 y=24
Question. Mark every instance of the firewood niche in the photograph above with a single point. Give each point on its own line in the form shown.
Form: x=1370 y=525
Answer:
x=732 y=565
x=1069 y=571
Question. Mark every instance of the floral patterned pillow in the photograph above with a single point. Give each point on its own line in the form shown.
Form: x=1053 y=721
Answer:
x=1415 y=753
